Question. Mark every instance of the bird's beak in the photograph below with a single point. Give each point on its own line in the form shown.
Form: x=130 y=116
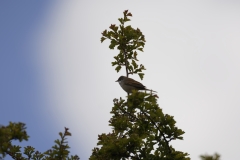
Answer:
x=116 y=81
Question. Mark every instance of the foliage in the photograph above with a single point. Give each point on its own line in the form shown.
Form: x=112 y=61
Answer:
x=127 y=40
x=17 y=131
x=209 y=157
x=140 y=129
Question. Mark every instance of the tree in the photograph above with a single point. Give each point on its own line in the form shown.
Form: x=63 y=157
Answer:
x=140 y=129
x=17 y=131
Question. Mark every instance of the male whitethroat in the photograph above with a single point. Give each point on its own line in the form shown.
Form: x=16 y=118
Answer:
x=129 y=84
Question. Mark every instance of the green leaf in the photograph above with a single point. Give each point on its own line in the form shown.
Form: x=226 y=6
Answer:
x=112 y=45
x=118 y=68
x=140 y=49
x=134 y=64
x=120 y=20
x=129 y=14
x=141 y=75
x=130 y=68
x=104 y=33
x=102 y=39
x=114 y=63
x=135 y=55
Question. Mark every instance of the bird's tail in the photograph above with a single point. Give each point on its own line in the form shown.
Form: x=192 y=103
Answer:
x=152 y=90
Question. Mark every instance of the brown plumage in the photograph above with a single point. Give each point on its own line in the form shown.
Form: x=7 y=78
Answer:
x=129 y=84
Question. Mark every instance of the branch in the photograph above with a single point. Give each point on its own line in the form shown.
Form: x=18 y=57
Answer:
x=13 y=156
x=161 y=134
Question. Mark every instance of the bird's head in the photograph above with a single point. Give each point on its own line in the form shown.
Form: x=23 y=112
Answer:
x=120 y=79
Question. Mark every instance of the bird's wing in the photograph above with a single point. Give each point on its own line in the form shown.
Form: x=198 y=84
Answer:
x=131 y=82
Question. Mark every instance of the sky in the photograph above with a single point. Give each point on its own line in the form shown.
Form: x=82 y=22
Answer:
x=55 y=73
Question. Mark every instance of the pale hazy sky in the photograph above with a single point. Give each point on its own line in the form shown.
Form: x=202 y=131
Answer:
x=192 y=57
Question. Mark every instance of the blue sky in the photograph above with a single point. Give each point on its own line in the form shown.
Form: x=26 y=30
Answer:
x=20 y=86
x=55 y=73
x=22 y=95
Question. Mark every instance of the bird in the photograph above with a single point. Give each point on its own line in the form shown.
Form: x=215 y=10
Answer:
x=129 y=84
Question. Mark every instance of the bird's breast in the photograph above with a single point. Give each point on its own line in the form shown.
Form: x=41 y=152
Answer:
x=126 y=88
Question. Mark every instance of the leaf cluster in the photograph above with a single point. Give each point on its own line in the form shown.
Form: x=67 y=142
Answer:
x=128 y=41
x=141 y=131
x=17 y=131
x=216 y=156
